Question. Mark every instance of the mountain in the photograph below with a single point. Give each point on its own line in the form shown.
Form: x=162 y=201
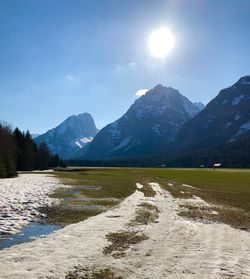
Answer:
x=200 y=105
x=71 y=135
x=149 y=124
x=224 y=120
x=34 y=136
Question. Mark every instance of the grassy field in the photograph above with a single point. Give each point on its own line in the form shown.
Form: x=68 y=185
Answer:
x=228 y=190
x=92 y=191
x=97 y=189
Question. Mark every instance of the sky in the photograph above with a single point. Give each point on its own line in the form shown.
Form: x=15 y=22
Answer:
x=64 y=57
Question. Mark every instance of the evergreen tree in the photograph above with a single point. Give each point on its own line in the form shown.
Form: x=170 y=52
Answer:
x=42 y=156
x=18 y=151
x=7 y=152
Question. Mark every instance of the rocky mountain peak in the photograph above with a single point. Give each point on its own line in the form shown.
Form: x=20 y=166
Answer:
x=149 y=124
x=72 y=134
x=244 y=80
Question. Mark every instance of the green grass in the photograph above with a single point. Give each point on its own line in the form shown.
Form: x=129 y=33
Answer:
x=79 y=203
x=222 y=186
x=115 y=183
x=228 y=188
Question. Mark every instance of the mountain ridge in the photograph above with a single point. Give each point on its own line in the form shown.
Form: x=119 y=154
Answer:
x=72 y=134
x=149 y=124
x=225 y=119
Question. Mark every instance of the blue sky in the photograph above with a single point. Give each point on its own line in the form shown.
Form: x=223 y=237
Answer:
x=59 y=58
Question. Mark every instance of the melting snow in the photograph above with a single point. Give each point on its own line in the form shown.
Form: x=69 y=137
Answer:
x=244 y=128
x=83 y=141
x=114 y=130
x=245 y=82
x=237 y=116
x=123 y=143
x=228 y=125
x=86 y=140
x=156 y=129
x=237 y=100
x=78 y=144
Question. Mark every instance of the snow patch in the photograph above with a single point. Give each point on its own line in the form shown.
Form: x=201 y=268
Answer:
x=78 y=144
x=238 y=100
x=114 y=130
x=244 y=129
x=83 y=141
x=86 y=139
x=227 y=125
x=139 y=186
x=156 y=129
x=176 y=248
x=123 y=143
x=141 y=92
x=237 y=116
x=245 y=81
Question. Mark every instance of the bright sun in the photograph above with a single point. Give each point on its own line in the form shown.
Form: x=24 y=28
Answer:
x=161 y=42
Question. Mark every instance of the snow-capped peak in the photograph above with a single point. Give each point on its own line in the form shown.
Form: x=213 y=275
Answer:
x=242 y=81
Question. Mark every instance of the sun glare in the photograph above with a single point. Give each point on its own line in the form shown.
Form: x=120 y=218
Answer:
x=161 y=42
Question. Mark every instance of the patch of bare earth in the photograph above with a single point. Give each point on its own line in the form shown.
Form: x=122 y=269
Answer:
x=84 y=273
x=197 y=209
x=121 y=241
x=167 y=247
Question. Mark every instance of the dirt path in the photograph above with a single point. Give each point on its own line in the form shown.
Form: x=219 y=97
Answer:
x=176 y=248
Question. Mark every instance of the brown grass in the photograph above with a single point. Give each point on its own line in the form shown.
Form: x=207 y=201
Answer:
x=83 y=273
x=149 y=213
x=121 y=241
x=149 y=206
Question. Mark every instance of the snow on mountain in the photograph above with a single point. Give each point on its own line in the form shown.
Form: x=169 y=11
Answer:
x=225 y=119
x=82 y=142
x=72 y=134
x=148 y=125
x=243 y=129
x=237 y=100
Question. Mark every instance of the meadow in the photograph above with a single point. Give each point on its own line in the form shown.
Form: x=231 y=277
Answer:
x=97 y=189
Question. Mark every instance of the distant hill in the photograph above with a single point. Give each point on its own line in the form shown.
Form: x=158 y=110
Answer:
x=70 y=136
x=146 y=128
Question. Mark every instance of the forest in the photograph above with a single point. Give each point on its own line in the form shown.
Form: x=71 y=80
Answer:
x=18 y=152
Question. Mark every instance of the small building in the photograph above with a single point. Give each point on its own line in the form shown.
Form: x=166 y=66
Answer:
x=217 y=165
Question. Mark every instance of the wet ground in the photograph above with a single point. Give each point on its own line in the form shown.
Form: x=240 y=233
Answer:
x=28 y=233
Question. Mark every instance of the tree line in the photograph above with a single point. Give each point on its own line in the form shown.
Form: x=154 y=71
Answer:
x=230 y=155
x=18 y=152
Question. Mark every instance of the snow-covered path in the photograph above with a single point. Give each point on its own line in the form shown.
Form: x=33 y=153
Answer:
x=176 y=248
x=20 y=198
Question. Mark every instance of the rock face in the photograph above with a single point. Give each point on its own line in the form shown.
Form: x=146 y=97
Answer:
x=200 y=105
x=225 y=119
x=149 y=124
x=70 y=136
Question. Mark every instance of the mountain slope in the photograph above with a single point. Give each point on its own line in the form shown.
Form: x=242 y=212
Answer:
x=70 y=136
x=149 y=124
x=225 y=119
